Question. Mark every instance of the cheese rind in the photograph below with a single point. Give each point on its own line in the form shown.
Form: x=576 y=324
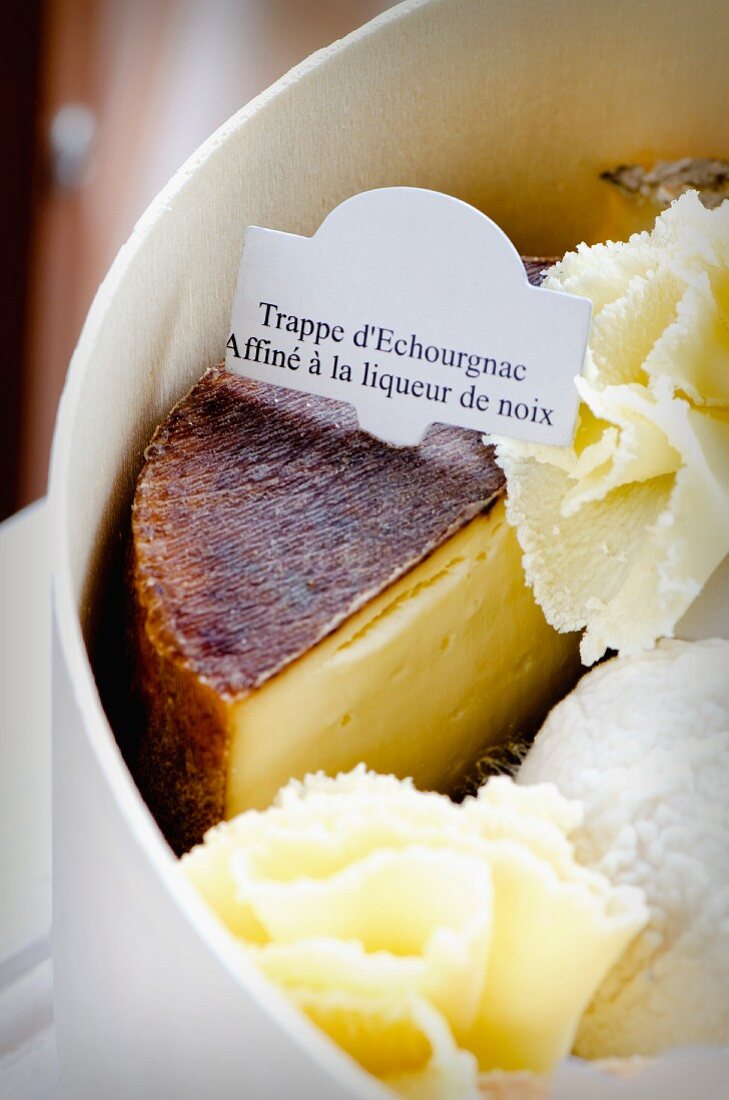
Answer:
x=264 y=518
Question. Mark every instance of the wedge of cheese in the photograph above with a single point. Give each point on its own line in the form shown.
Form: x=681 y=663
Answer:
x=305 y=598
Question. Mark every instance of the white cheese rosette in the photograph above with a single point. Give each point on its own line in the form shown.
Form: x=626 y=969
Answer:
x=621 y=530
x=432 y=941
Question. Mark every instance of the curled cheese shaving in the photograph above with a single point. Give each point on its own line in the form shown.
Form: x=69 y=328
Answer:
x=432 y=941
x=621 y=530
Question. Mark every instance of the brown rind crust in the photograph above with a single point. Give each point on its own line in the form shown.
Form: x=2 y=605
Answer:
x=183 y=747
x=537 y=267
x=261 y=521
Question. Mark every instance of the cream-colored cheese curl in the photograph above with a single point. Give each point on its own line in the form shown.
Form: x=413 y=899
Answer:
x=621 y=530
x=431 y=940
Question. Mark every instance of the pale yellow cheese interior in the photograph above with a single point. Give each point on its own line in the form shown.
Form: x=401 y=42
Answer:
x=449 y=660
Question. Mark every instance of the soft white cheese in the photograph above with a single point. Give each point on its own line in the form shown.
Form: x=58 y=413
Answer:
x=644 y=743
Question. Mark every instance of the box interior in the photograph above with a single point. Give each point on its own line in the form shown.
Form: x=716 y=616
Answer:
x=516 y=108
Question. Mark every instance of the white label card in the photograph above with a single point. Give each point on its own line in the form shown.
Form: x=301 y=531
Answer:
x=415 y=308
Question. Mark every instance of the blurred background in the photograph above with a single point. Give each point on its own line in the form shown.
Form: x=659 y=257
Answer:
x=100 y=102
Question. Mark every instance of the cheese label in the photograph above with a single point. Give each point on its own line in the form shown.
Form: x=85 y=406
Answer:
x=415 y=308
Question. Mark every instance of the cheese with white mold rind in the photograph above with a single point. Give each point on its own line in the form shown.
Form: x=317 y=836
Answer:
x=644 y=743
